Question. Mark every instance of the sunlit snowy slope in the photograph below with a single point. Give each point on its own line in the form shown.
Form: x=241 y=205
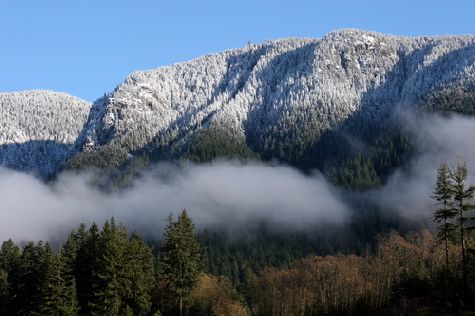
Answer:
x=292 y=89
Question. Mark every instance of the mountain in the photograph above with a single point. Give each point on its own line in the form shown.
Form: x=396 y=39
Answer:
x=281 y=99
x=38 y=129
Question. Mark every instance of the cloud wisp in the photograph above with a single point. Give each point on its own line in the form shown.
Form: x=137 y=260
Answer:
x=438 y=139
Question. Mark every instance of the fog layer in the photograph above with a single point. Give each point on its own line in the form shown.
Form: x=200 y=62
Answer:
x=229 y=193
x=221 y=193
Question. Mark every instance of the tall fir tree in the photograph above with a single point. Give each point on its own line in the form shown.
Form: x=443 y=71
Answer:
x=445 y=212
x=29 y=275
x=180 y=261
x=9 y=260
x=79 y=263
x=58 y=292
x=463 y=195
x=140 y=271
x=112 y=281
x=86 y=267
x=4 y=292
x=69 y=254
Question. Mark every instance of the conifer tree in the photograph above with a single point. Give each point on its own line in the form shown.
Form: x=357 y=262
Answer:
x=4 y=292
x=69 y=254
x=58 y=294
x=180 y=261
x=26 y=291
x=9 y=255
x=78 y=265
x=112 y=283
x=445 y=211
x=9 y=259
x=140 y=272
x=463 y=206
x=71 y=304
x=51 y=285
x=86 y=266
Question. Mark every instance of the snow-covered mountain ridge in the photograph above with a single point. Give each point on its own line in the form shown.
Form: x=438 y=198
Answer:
x=281 y=96
x=296 y=88
x=38 y=129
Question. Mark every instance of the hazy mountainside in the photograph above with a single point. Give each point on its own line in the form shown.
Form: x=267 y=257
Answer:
x=38 y=129
x=284 y=99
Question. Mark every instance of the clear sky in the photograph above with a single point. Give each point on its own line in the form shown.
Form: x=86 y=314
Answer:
x=87 y=47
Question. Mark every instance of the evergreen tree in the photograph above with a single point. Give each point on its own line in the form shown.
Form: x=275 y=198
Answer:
x=50 y=287
x=58 y=295
x=180 y=261
x=4 y=292
x=69 y=254
x=9 y=259
x=70 y=302
x=462 y=197
x=9 y=255
x=74 y=254
x=445 y=211
x=26 y=288
x=112 y=283
x=86 y=267
x=140 y=271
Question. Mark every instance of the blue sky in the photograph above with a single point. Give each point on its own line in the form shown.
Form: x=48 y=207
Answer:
x=87 y=47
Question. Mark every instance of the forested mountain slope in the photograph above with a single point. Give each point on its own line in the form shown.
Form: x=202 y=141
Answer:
x=38 y=129
x=286 y=99
x=277 y=98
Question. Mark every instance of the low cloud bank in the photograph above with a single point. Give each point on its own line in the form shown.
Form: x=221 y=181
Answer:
x=221 y=193
x=228 y=193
